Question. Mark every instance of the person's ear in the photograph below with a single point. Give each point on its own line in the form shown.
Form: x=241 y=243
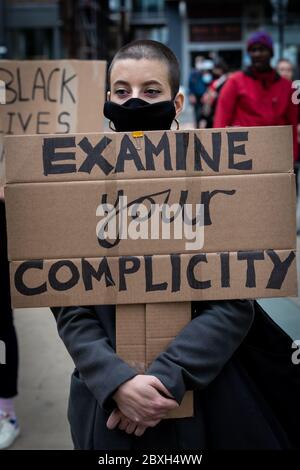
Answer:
x=178 y=101
x=108 y=96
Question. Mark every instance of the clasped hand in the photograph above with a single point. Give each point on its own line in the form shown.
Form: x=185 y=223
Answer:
x=141 y=403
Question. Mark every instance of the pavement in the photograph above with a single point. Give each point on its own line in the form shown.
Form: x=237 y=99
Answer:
x=44 y=377
x=45 y=366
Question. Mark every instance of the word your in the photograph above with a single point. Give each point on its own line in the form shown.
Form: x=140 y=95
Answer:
x=150 y=222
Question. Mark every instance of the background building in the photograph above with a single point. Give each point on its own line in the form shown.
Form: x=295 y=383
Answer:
x=209 y=28
x=97 y=28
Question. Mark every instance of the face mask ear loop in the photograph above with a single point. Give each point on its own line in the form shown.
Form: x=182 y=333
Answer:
x=177 y=124
x=110 y=126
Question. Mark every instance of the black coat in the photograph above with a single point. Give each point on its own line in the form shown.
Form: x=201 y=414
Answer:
x=234 y=357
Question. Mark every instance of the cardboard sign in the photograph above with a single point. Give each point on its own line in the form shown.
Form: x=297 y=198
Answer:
x=50 y=96
x=242 y=177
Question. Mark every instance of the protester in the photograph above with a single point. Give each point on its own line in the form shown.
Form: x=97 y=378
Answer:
x=111 y=405
x=9 y=427
x=258 y=96
x=199 y=80
x=210 y=97
x=285 y=69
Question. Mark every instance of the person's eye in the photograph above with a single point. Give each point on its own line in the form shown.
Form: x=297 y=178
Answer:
x=121 y=92
x=152 y=91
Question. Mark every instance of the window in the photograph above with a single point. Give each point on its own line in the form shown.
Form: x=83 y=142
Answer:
x=149 y=6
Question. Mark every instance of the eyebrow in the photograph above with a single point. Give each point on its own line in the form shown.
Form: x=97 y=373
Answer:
x=148 y=82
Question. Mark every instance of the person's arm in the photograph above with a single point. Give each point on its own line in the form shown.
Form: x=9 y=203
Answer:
x=88 y=344
x=199 y=352
x=226 y=104
x=292 y=118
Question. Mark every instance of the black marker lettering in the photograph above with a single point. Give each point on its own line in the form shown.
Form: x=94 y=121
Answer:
x=50 y=156
x=123 y=269
x=193 y=282
x=19 y=282
x=237 y=150
x=280 y=269
x=62 y=286
x=94 y=155
x=150 y=286
x=201 y=153
x=128 y=152
x=151 y=149
x=88 y=272
x=250 y=257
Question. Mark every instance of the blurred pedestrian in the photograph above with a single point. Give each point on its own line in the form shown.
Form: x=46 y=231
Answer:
x=258 y=96
x=285 y=69
x=9 y=427
x=199 y=80
x=210 y=97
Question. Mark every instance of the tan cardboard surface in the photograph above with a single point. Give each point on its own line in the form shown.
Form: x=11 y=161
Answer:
x=131 y=335
x=163 y=323
x=143 y=331
x=156 y=154
x=52 y=96
x=211 y=276
x=58 y=220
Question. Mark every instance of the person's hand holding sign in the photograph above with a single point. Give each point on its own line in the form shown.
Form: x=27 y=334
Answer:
x=142 y=402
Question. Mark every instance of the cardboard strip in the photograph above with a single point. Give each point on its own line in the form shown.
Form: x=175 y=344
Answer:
x=167 y=154
x=131 y=335
x=240 y=213
x=174 y=278
x=144 y=331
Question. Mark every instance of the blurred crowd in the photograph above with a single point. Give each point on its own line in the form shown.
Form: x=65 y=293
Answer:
x=260 y=95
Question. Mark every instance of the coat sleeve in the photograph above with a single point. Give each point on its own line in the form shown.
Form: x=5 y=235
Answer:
x=292 y=118
x=93 y=355
x=226 y=103
x=199 y=352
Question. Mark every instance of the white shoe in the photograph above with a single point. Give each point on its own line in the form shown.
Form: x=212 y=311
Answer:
x=9 y=430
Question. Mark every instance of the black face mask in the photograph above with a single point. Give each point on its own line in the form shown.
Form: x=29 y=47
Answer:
x=139 y=115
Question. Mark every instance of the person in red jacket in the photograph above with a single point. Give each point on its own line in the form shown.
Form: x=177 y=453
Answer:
x=258 y=96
